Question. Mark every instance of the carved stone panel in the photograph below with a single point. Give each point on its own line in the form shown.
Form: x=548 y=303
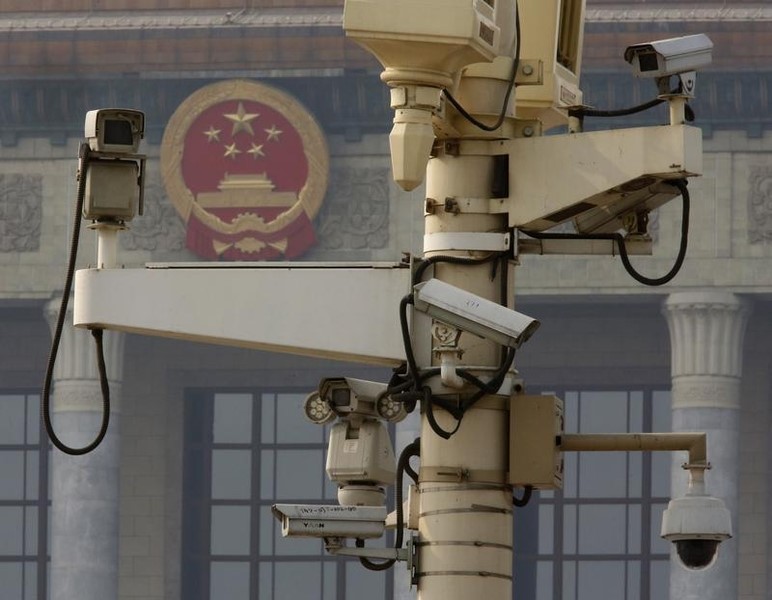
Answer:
x=160 y=228
x=21 y=214
x=355 y=214
x=760 y=204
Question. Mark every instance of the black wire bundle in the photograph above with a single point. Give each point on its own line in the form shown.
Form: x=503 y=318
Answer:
x=407 y=386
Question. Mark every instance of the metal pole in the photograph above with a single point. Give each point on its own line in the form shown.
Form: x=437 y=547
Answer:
x=465 y=522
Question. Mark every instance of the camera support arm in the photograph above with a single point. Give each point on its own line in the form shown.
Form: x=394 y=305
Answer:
x=694 y=443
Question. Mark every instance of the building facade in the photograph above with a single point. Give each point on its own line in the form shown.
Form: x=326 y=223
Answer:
x=203 y=439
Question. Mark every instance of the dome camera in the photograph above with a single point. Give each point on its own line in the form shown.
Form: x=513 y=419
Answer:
x=696 y=524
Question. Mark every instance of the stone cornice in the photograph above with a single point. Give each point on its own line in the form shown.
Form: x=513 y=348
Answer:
x=719 y=14
x=177 y=21
x=283 y=18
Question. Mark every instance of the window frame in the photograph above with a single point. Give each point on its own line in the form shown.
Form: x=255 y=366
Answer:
x=197 y=500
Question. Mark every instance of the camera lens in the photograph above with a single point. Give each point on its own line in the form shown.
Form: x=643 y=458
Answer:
x=697 y=554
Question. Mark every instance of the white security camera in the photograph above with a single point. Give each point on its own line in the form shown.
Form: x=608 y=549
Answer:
x=696 y=524
x=343 y=396
x=323 y=521
x=115 y=173
x=469 y=312
x=117 y=130
x=672 y=56
x=360 y=455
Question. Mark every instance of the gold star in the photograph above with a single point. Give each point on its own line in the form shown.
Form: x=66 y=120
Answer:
x=212 y=134
x=256 y=151
x=241 y=120
x=273 y=133
x=231 y=151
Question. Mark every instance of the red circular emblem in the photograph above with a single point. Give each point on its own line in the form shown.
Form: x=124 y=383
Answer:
x=246 y=167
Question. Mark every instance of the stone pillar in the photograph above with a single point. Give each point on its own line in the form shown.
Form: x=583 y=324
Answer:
x=706 y=337
x=84 y=489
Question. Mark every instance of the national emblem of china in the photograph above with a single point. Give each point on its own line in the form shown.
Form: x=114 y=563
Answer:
x=246 y=167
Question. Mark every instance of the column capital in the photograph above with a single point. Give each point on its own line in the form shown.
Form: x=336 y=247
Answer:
x=706 y=333
x=77 y=357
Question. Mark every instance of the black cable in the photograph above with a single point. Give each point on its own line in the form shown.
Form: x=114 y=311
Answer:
x=412 y=449
x=57 y=336
x=430 y=400
x=585 y=111
x=454 y=260
x=414 y=379
x=620 y=242
x=412 y=366
x=525 y=498
x=510 y=87
x=620 y=112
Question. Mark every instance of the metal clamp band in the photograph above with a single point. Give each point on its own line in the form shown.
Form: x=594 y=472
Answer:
x=463 y=574
x=474 y=544
x=447 y=241
x=473 y=509
x=460 y=475
x=467 y=487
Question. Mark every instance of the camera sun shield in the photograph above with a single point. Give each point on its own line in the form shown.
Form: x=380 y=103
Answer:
x=115 y=130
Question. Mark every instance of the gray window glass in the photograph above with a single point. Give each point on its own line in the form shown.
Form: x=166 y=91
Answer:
x=230 y=530
x=231 y=474
x=30 y=530
x=367 y=583
x=229 y=580
x=11 y=577
x=659 y=579
x=291 y=425
x=544 y=580
x=33 y=419
x=602 y=529
x=601 y=579
x=12 y=419
x=299 y=474
x=232 y=419
x=297 y=580
x=11 y=530
x=267 y=468
x=12 y=475
x=30 y=581
x=603 y=475
x=33 y=474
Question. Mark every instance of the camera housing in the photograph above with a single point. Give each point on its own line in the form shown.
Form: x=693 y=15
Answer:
x=323 y=521
x=671 y=56
x=115 y=130
x=474 y=314
x=114 y=172
x=696 y=524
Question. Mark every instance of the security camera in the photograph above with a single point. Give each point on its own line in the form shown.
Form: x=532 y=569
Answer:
x=469 y=312
x=343 y=396
x=672 y=56
x=118 y=130
x=696 y=524
x=360 y=455
x=114 y=172
x=330 y=521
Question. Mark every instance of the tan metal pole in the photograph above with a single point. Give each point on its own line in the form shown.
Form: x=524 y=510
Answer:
x=465 y=522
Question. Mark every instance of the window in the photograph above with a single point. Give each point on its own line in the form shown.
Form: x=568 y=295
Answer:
x=598 y=537
x=245 y=451
x=24 y=499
